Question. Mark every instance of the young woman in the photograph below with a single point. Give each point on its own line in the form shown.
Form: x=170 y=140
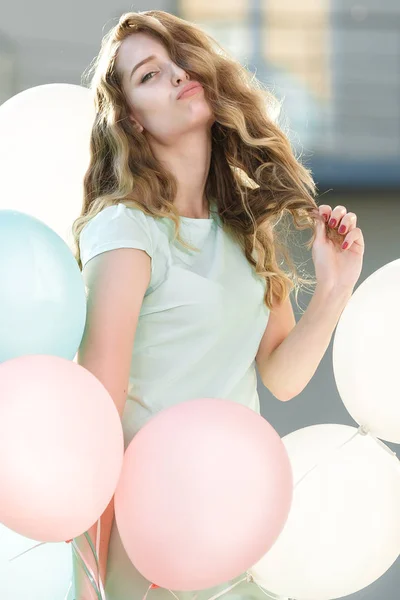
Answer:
x=179 y=243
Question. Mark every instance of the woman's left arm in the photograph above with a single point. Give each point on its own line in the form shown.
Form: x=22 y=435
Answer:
x=287 y=369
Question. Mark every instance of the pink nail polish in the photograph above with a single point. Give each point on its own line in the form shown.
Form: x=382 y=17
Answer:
x=345 y=245
x=342 y=228
x=332 y=222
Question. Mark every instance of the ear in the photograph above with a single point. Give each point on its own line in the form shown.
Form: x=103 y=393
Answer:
x=136 y=124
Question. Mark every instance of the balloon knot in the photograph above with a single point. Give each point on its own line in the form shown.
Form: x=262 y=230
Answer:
x=154 y=586
x=68 y=541
x=363 y=430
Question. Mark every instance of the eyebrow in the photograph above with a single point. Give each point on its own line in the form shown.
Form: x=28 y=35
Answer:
x=140 y=64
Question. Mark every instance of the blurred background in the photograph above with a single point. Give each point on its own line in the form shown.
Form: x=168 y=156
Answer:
x=336 y=66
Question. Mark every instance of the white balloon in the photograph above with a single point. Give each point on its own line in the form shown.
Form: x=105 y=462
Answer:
x=366 y=353
x=44 y=573
x=45 y=152
x=343 y=530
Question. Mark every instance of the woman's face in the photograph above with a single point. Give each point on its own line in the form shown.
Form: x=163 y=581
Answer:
x=152 y=91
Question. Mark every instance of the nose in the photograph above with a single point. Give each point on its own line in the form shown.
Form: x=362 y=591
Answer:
x=180 y=75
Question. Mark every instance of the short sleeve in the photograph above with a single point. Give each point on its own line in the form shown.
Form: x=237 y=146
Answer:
x=116 y=226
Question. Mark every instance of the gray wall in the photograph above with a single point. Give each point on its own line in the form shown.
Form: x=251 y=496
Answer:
x=55 y=42
x=365 y=55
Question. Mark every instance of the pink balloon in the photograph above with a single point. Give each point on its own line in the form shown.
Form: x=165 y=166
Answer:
x=61 y=447
x=205 y=490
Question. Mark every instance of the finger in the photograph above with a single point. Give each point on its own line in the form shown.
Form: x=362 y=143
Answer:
x=320 y=231
x=348 y=223
x=325 y=210
x=354 y=238
x=337 y=214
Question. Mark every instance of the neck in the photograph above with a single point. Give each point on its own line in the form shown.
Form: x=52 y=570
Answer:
x=189 y=161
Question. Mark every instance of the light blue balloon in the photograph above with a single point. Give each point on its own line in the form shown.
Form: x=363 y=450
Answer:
x=42 y=292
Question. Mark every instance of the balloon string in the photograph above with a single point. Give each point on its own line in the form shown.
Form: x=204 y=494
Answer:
x=362 y=430
x=152 y=586
x=99 y=582
x=86 y=568
x=97 y=558
x=378 y=441
x=274 y=597
x=327 y=455
x=98 y=547
x=228 y=589
x=25 y=551
x=148 y=590
x=69 y=587
x=270 y=594
x=37 y=545
x=249 y=578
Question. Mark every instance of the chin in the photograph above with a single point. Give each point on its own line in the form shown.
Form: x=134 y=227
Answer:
x=204 y=113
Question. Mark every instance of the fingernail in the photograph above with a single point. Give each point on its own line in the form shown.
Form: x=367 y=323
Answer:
x=332 y=222
x=326 y=217
x=342 y=228
x=344 y=245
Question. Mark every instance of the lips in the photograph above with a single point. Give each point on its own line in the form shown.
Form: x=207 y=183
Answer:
x=188 y=87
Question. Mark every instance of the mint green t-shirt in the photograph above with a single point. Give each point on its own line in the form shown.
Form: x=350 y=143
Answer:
x=200 y=325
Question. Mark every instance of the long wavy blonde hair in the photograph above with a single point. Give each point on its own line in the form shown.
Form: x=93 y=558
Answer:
x=254 y=177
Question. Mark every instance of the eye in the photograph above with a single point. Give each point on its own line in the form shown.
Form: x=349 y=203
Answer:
x=147 y=74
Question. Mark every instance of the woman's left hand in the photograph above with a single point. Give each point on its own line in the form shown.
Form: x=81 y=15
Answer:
x=337 y=267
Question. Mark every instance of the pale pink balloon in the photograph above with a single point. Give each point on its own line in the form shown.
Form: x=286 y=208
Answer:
x=61 y=447
x=205 y=490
